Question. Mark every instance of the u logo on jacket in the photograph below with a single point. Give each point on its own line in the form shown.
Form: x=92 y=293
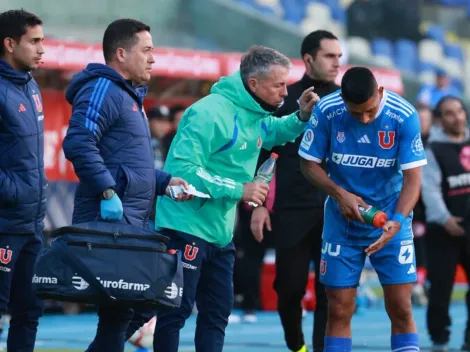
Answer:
x=190 y=252
x=38 y=103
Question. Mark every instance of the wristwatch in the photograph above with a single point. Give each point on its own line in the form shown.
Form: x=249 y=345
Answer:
x=108 y=193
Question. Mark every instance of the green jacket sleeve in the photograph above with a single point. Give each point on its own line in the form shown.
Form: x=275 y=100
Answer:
x=201 y=135
x=282 y=130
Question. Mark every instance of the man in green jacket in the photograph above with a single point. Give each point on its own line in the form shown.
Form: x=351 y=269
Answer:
x=216 y=150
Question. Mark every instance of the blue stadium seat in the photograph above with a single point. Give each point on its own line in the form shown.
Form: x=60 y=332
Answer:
x=454 y=51
x=458 y=84
x=404 y=65
x=426 y=66
x=300 y=3
x=452 y=3
x=382 y=47
x=406 y=55
x=266 y=10
x=339 y=14
x=294 y=11
x=437 y=32
x=337 y=11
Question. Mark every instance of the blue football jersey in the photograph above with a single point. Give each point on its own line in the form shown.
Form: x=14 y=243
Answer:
x=364 y=159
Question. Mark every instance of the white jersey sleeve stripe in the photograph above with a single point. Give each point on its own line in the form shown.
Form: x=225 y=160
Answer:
x=398 y=109
x=413 y=164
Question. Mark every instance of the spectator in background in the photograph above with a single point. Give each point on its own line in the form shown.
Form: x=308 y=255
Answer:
x=430 y=95
x=365 y=19
x=160 y=125
x=426 y=120
x=419 y=220
x=445 y=194
x=176 y=113
x=401 y=19
x=163 y=124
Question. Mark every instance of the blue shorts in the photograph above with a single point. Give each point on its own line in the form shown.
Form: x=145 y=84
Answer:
x=341 y=265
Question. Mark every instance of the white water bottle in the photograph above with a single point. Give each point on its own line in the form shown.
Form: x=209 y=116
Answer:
x=265 y=172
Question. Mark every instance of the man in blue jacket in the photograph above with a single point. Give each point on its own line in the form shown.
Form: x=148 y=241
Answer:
x=22 y=179
x=108 y=142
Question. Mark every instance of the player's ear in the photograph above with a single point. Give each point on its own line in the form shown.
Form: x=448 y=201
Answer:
x=381 y=92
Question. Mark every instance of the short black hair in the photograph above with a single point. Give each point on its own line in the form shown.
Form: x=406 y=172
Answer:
x=437 y=111
x=159 y=112
x=14 y=24
x=358 y=85
x=312 y=42
x=177 y=108
x=121 y=34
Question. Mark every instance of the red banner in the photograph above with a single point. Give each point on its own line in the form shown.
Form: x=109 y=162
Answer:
x=168 y=62
x=57 y=113
x=191 y=64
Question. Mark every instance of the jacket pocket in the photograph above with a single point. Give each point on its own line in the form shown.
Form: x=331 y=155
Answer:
x=8 y=189
x=138 y=183
x=122 y=181
x=27 y=186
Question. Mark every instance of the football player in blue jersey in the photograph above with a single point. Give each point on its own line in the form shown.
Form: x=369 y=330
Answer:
x=370 y=139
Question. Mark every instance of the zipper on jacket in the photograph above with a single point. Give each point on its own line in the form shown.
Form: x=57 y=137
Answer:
x=154 y=183
x=90 y=246
x=33 y=107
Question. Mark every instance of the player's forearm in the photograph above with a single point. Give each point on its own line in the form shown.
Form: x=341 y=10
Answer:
x=318 y=177
x=410 y=191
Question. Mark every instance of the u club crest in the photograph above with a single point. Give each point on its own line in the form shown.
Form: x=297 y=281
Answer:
x=340 y=137
x=37 y=102
x=386 y=139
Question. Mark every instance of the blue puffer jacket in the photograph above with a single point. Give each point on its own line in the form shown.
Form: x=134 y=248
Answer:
x=22 y=179
x=108 y=142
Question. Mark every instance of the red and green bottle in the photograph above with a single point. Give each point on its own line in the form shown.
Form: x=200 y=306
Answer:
x=373 y=216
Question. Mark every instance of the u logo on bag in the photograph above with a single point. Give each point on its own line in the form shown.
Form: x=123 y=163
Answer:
x=5 y=255
x=190 y=252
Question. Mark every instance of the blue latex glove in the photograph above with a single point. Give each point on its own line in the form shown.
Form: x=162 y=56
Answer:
x=111 y=209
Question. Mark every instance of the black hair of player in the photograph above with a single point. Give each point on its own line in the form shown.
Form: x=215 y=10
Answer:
x=358 y=85
x=437 y=111
x=121 y=34
x=14 y=24
x=312 y=42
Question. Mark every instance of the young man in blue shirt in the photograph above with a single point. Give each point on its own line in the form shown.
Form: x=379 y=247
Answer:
x=371 y=141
